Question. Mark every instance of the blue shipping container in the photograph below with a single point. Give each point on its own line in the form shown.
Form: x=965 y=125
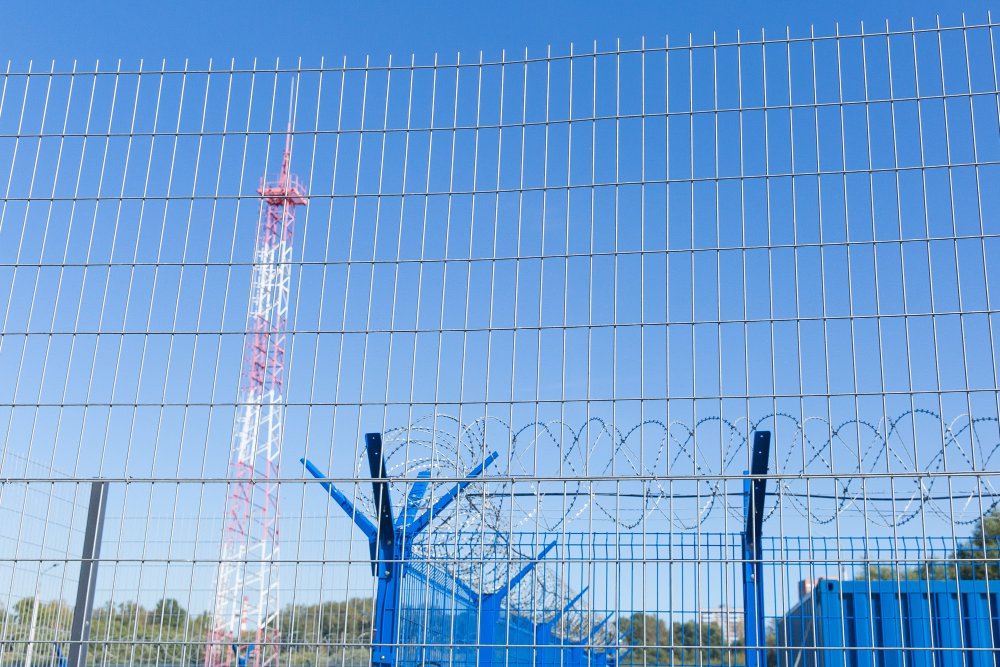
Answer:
x=916 y=623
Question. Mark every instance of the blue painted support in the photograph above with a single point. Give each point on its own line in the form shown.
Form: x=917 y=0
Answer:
x=911 y=622
x=598 y=657
x=360 y=520
x=545 y=652
x=383 y=505
x=388 y=543
x=599 y=626
x=489 y=609
x=626 y=655
x=413 y=498
x=568 y=606
x=61 y=661
x=977 y=626
x=620 y=638
x=753 y=566
x=388 y=591
x=387 y=605
x=242 y=662
x=421 y=522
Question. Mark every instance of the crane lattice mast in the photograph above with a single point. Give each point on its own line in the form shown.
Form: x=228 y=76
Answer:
x=246 y=598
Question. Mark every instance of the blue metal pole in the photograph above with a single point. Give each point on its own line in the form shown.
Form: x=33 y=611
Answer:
x=753 y=553
x=387 y=595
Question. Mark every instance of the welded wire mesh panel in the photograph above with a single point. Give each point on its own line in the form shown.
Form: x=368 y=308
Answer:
x=466 y=361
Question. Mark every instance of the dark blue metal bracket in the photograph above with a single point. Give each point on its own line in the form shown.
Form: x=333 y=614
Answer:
x=422 y=521
x=383 y=504
x=549 y=625
x=389 y=542
x=242 y=662
x=754 y=489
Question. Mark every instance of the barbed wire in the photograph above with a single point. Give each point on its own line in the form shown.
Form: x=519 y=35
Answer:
x=714 y=445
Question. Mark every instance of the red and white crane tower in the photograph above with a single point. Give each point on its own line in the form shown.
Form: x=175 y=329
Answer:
x=246 y=597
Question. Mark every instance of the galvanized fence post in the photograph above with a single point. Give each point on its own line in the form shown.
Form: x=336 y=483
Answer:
x=88 y=575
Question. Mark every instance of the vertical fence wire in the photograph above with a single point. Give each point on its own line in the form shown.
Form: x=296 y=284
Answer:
x=609 y=268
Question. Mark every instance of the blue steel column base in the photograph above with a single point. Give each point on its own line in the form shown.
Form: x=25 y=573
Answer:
x=753 y=604
x=386 y=609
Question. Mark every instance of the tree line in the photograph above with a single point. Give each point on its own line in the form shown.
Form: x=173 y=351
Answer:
x=339 y=632
x=128 y=633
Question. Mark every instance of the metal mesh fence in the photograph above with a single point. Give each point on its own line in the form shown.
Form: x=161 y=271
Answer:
x=480 y=375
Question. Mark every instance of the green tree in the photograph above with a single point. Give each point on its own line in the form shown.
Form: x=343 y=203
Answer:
x=165 y=635
x=771 y=642
x=980 y=553
x=315 y=633
x=983 y=547
x=688 y=643
x=52 y=623
x=891 y=573
x=649 y=639
x=169 y=614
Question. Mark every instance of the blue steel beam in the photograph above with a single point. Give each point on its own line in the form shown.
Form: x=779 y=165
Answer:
x=545 y=646
x=388 y=592
x=501 y=592
x=242 y=662
x=622 y=636
x=413 y=498
x=388 y=595
x=625 y=634
x=600 y=656
x=422 y=521
x=360 y=520
x=489 y=608
x=562 y=611
x=387 y=542
x=600 y=625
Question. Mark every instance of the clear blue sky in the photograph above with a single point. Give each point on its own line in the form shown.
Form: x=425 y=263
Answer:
x=186 y=438
x=86 y=30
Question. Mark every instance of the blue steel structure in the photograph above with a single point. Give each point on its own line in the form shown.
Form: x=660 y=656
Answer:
x=424 y=615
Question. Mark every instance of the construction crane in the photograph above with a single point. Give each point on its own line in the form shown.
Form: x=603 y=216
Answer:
x=246 y=597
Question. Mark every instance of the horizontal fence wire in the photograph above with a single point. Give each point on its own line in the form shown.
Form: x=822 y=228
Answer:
x=490 y=362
